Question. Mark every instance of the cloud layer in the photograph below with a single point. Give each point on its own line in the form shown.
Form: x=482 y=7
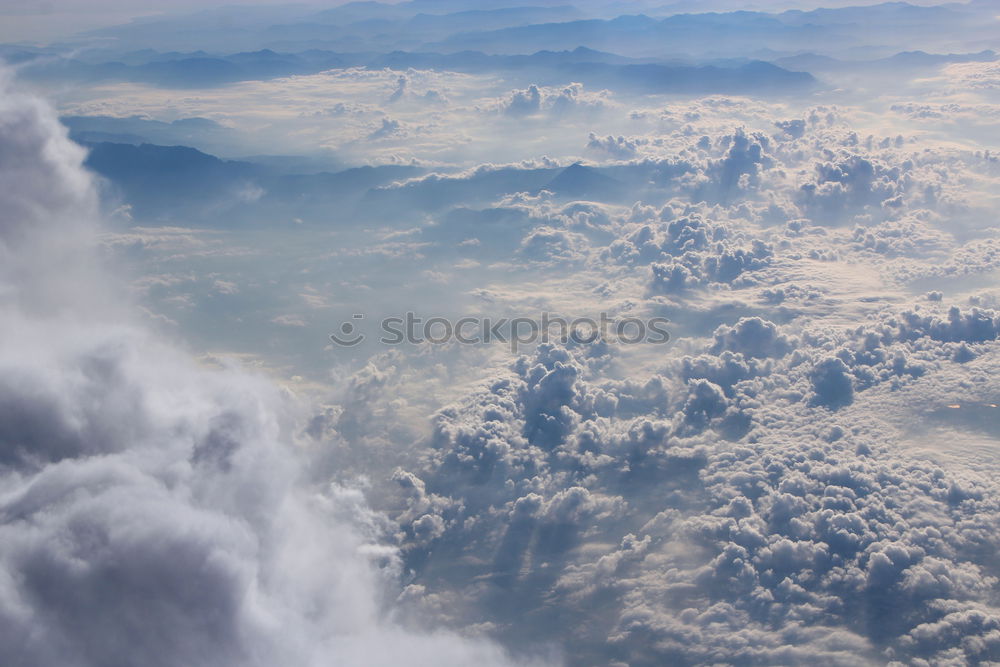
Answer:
x=805 y=474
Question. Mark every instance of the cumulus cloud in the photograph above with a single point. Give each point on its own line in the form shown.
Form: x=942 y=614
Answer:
x=524 y=102
x=753 y=497
x=554 y=100
x=782 y=547
x=618 y=147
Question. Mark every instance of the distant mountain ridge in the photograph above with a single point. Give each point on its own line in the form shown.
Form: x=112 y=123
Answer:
x=170 y=182
x=161 y=182
x=587 y=66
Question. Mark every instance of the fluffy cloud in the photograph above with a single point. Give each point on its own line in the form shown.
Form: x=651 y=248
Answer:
x=770 y=540
x=618 y=147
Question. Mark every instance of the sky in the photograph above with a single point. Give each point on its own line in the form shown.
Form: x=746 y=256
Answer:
x=52 y=20
x=544 y=334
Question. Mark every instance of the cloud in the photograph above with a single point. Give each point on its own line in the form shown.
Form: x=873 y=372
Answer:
x=553 y=100
x=618 y=147
x=831 y=383
x=752 y=337
x=389 y=128
x=524 y=102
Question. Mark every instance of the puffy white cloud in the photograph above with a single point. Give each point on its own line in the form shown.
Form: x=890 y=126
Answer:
x=524 y=102
x=618 y=147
